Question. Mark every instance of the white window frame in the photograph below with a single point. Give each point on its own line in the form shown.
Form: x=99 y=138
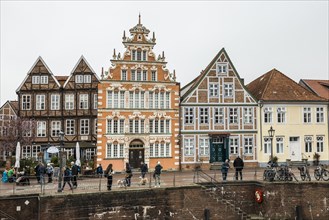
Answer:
x=204 y=115
x=154 y=76
x=83 y=101
x=43 y=79
x=308 y=143
x=248 y=115
x=204 y=146
x=228 y=90
x=95 y=101
x=69 y=101
x=248 y=145
x=319 y=144
x=114 y=150
x=307 y=115
x=268 y=115
x=79 y=78
x=279 y=145
x=233 y=115
x=35 y=79
x=189 y=147
x=26 y=102
x=35 y=150
x=218 y=115
x=281 y=115
x=267 y=145
x=124 y=75
x=55 y=128
x=213 y=90
x=84 y=126
x=222 y=69
x=55 y=102
x=87 y=78
x=40 y=103
x=70 y=127
x=234 y=145
x=41 y=129
x=319 y=115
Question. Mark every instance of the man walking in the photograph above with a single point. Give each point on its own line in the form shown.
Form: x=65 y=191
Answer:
x=157 y=173
x=238 y=165
x=75 y=171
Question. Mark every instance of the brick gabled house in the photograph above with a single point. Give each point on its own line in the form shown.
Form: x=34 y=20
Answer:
x=297 y=116
x=138 y=111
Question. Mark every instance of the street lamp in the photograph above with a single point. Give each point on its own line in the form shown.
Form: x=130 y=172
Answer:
x=271 y=134
x=61 y=140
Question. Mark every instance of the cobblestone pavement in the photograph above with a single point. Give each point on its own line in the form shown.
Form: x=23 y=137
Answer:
x=168 y=179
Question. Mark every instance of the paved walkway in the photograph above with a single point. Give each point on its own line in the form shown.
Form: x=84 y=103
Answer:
x=168 y=179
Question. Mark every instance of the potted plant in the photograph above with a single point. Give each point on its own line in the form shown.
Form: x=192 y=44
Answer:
x=316 y=159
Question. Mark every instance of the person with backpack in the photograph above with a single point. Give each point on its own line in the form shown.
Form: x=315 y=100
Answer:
x=108 y=173
x=99 y=170
x=225 y=168
x=157 y=173
x=67 y=177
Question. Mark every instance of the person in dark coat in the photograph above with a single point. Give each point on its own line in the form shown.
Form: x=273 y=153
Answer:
x=144 y=169
x=225 y=168
x=42 y=172
x=157 y=173
x=67 y=177
x=75 y=173
x=109 y=174
x=238 y=165
x=99 y=170
x=37 y=174
x=129 y=174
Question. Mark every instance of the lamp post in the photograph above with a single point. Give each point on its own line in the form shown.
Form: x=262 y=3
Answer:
x=61 y=140
x=271 y=134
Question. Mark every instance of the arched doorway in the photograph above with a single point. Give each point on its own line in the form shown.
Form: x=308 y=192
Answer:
x=136 y=153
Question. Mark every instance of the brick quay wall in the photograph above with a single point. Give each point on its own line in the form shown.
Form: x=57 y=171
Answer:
x=186 y=202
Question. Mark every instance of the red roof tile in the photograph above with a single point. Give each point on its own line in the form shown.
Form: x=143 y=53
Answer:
x=319 y=87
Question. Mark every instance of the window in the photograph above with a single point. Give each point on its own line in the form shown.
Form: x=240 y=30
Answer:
x=69 y=101
x=307 y=115
x=115 y=126
x=55 y=100
x=281 y=114
x=123 y=74
x=247 y=115
x=167 y=126
x=160 y=149
x=26 y=151
x=36 y=149
x=70 y=127
x=308 y=144
x=115 y=99
x=222 y=69
x=161 y=100
x=139 y=75
x=95 y=101
x=279 y=145
x=133 y=55
x=95 y=126
x=35 y=79
x=26 y=128
x=233 y=115
x=145 y=55
x=144 y=77
x=139 y=55
x=268 y=115
x=69 y=152
x=204 y=147
x=213 y=90
x=219 y=115
x=40 y=102
x=151 y=99
x=44 y=80
x=87 y=78
x=267 y=145
x=55 y=128
x=248 y=145
x=153 y=75
x=156 y=102
x=114 y=150
x=319 y=115
x=228 y=90
x=41 y=129
x=319 y=144
x=90 y=153
x=234 y=143
x=26 y=102
x=83 y=101
x=203 y=115
x=84 y=126
x=133 y=75
x=188 y=146
x=78 y=78
x=167 y=100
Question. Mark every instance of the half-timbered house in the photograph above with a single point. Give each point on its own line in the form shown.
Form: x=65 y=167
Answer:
x=138 y=111
x=60 y=103
x=218 y=116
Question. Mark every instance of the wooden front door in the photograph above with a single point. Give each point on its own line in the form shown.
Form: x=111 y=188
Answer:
x=217 y=150
x=136 y=154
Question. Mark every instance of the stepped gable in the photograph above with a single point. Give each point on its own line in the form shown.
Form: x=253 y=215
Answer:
x=275 y=86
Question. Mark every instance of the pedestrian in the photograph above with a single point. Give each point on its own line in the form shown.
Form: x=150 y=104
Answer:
x=99 y=170
x=144 y=169
x=157 y=173
x=75 y=173
x=50 y=172
x=36 y=170
x=238 y=165
x=4 y=177
x=67 y=177
x=108 y=173
x=225 y=168
x=129 y=174
x=42 y=172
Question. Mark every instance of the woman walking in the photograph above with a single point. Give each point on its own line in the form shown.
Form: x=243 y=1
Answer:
x=108 y=173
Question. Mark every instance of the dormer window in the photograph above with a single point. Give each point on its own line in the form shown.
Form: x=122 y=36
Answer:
x=83 y=79
x=39 y=79
x=222 y=69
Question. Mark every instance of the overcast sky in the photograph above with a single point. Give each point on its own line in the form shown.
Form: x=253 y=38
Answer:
x=258 y=36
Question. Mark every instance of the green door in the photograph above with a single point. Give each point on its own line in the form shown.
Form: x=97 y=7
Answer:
x=218 y=151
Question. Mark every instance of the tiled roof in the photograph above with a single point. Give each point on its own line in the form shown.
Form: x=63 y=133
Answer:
x=61 y=79
x=319 y=87
x=275 y=86
x=14 y=105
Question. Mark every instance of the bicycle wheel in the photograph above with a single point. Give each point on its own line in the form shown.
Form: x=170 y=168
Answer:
x=302 y=175
x=325 y=175
x=317 y=174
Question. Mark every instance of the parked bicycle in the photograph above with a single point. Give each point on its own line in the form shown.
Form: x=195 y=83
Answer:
x=284 y=173
x=304 y=173
x=321 y=173
x=270 y=171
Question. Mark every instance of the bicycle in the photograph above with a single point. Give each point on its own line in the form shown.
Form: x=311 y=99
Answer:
x=304 y=173
x=270 y=172
x=321 y=173
x=284 y=173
